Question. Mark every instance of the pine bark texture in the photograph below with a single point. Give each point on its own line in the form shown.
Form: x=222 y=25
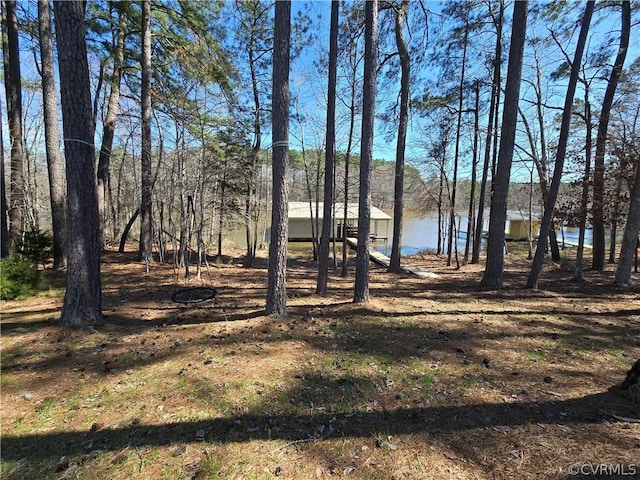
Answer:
x=630 y=238
x=494 y=270
x=4 y=224
x=277 y=275
x=361 y=290
x=601 y=142
x=403 y=123
x=330 y=152
x=13 y=90
x=55 y=162
x=83 y=298
x=552 y=194
x=145 y=204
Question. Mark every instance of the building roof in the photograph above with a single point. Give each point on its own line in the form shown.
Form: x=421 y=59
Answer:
x=300 y=210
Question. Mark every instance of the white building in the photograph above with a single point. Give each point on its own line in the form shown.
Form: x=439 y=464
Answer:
x=302 y=213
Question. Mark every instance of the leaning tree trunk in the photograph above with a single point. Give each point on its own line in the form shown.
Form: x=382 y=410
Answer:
x=83 y=299
x=552 y=195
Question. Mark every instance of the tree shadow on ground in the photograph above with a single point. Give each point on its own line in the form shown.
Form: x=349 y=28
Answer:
x=265 y=423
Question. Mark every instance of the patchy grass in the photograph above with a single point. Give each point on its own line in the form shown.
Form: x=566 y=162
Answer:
x=434 y=378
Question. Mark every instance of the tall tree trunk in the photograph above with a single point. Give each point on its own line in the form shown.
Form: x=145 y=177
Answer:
x=83 y=299
x=4 y=227
x=109 y=123
x=403 y=122
x=277 y=277
x=146 y=233
x=361 y=290
x=495 y=95
x=550 y=200
x=601 y=141
x=474 y=168
x=616 y=210
x=55 y=165
x=456 y=157
x=330 y=154
x=251 y=203
x=440 y=247
x=13 y=90
x=630 y=239
x=543 y=165
x=578 y=274
x=347 y=160
x=494 y=270
x=223 y=185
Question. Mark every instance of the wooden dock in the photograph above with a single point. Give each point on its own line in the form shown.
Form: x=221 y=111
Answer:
x=572 y=244
x=383 y=260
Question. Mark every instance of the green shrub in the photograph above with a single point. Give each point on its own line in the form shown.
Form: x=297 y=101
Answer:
x=18 y=278
x=37 y=246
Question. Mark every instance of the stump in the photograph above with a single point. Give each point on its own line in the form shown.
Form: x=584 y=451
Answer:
x=631 y=385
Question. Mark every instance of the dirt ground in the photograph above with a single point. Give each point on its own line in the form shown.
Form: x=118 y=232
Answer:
x=434 y=378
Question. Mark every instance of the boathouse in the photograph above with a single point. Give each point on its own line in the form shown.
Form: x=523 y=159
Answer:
x=517 y=226
x=302 y=214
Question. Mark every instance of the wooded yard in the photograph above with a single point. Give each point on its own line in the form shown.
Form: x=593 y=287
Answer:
x=434 y=378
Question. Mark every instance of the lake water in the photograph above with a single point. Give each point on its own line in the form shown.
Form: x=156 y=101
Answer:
x=421 y=234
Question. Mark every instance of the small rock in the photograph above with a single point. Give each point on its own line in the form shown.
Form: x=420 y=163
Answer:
x=179 y=451
x=63 y=463
x=96 y=426
x=28 y=397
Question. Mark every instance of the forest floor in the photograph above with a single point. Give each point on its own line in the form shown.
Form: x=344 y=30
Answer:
x=434 y=378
